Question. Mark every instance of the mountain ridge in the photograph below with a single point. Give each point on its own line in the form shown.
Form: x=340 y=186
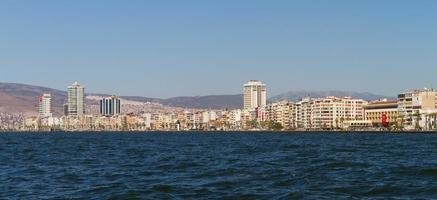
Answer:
x=299 y=94
x=17 y=97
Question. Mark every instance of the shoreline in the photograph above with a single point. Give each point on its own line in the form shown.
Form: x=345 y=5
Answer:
x=233 y=132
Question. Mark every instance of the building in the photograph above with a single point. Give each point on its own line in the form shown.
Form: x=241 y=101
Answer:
x=303 y=113
x=110 y=106
x=415 y=107
x=255 y=95
x=75 y=100
x=380 y=112
x=282 y=113
x=327 y=113
x=45 y=106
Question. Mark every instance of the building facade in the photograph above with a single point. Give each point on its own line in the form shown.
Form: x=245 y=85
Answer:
x=282 y=113
x=110 y=106
x=378 y=110
x=255 y=95
x=327 y=113
x=75 y=101
x=415 y=107
x=45 y=106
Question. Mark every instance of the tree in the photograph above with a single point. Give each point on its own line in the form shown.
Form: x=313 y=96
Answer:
x=417 y=125
x=274 y=125
x=252 y=123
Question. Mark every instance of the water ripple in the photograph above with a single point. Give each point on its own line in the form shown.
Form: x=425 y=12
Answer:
x=218 y=166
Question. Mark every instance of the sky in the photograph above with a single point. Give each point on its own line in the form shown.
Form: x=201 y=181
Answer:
x=167 y=48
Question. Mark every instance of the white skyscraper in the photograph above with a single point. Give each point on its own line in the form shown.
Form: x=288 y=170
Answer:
x=255 y=94
x=45 y=105
x=75 y=101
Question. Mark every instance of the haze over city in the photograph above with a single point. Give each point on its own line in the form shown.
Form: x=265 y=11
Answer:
x=184 y=48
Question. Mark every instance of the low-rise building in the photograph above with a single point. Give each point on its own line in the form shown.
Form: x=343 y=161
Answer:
x=380 y=112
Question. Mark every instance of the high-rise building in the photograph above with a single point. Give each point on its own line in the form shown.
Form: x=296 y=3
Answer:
x=110 y=106
x=75 y=101
x=45 y=103
x=255 y=95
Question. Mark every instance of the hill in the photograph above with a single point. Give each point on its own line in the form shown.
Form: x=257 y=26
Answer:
x=16 y=97
x=23 y=98
x=297 y=95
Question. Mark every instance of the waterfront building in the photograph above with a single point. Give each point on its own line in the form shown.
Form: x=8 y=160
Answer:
x=147 y=117
x=45 y=106
x=354 y=125
x=303 y=113
x=262 y=113
x=75 y=100
x=233 y=119
x=255 y=95
x=327 y=113
x=383 y=111
x=208 y=116
x=283 y=113
x=110 y=106
x=417 y=109
x=249 y=119
x=330 y=111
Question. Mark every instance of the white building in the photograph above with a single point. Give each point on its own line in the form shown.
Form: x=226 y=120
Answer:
x=147 y=120
x=327 y=113
x=255 y=95
x=75 y=101
x=208 y=116
x=45 y=105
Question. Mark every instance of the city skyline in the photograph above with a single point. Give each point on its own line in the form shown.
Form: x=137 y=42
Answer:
x=219 y=99
x=207 y=48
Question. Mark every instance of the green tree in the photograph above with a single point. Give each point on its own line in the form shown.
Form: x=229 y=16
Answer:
x=252 y=123
x=274 y=126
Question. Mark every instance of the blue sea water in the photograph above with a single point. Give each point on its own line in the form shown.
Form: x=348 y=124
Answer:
x=218 y=166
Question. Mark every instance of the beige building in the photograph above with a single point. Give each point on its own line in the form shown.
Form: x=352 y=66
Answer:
x=417 y=109
x=330 y=111
x=327 y=113
x=281 y=112
x=255 y=95
x=374 y=112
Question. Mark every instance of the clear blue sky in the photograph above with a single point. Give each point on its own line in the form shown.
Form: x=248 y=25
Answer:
x=171 y=48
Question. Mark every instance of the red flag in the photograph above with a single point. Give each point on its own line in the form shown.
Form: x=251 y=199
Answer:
x=384 y=120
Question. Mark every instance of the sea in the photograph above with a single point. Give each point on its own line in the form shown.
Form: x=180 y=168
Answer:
x=218 y=165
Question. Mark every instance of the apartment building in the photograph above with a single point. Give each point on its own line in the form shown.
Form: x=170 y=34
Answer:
x=417 y=109
x=327 y=113
x=281 y=112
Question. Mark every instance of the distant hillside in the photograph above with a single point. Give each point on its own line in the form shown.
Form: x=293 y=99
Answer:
x=213 y=101
x=200 y=102
x=298 y=95
x=16 y=97
x=23 y=98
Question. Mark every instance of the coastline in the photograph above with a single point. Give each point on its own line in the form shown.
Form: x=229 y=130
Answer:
x=225 y=132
